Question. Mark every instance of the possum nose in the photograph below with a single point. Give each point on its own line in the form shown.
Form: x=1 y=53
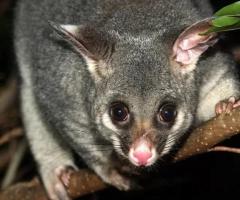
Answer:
x=142 y=154
x=142 y=157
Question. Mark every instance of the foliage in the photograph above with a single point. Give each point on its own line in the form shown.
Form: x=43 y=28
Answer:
x=226 y=19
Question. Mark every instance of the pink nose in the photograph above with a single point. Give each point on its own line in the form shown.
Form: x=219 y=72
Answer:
x=142 y=157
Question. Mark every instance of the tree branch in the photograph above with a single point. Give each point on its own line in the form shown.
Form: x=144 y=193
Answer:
x=10 y=135
x=84 y=182
x=210 y=133
x=225 y=149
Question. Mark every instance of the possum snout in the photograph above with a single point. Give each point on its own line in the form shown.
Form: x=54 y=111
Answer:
x=142 y=153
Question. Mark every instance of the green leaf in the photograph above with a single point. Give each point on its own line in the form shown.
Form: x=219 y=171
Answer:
x=214 y=29
x=232 y=9
x=225 y=21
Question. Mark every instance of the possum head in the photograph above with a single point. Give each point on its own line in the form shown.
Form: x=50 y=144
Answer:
x=145 y=91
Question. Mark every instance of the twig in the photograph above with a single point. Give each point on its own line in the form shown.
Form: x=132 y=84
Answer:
x=10 y=135
x=7 y=154
x=15 y=162
x=225 y=149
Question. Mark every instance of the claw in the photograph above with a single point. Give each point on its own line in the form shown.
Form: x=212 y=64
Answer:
x=227 y=106
x=64 y=174
x=57 y=184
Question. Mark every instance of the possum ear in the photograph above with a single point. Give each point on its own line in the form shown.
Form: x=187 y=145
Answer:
x=191 y=44
x=96 y=47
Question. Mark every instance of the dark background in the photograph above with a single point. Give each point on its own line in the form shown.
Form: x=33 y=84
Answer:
x=212 y=175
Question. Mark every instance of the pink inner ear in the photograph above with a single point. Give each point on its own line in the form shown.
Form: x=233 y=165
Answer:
x=190 y=45
x=189 y=49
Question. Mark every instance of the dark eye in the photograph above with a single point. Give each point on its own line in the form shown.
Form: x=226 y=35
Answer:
x=119 y=112
x=167 y=112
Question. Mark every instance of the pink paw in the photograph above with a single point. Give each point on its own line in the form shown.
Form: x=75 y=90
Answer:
x=58 y=184
x=64 y=174
x=227 y=106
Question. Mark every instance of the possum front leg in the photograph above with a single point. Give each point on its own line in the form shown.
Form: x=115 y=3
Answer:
x=214 y=91
x=52 y=156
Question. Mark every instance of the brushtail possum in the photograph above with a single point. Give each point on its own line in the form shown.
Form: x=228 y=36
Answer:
x=116 y=80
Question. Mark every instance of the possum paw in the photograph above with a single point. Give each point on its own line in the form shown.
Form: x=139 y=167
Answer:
x=64 y=173
x=57 y=181
x=227 y=106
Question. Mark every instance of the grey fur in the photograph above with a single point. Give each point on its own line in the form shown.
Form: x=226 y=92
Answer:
x=63 y=102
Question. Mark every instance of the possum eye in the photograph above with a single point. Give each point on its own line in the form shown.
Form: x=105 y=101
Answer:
x=167 y=113
x=119 y=112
